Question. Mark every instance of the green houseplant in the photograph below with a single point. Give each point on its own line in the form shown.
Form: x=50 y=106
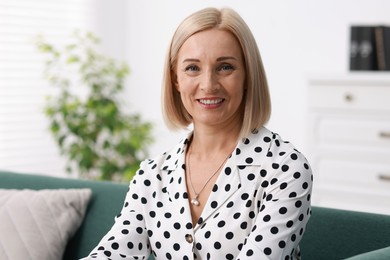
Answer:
x=86 y=119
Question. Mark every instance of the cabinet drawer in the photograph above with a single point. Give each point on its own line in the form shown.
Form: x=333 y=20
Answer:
x=351 y=200
x=353 y=129
x=350 y=97
x=359 y=176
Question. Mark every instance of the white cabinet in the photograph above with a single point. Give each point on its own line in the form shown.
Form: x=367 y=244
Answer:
x=349 y=141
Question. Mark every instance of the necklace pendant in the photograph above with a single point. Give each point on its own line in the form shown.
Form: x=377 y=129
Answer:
x=195 y=201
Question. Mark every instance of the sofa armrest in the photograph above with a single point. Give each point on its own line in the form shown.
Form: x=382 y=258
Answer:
x=379 y=254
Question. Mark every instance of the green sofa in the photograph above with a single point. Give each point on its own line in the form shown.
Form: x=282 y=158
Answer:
x=331 y=234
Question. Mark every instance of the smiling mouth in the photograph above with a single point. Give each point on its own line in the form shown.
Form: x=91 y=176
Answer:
x=211 y=101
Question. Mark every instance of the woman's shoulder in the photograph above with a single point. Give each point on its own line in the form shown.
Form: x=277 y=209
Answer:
x=264 y=137
x=268 y=144
x=274 y=154
x=169 y=159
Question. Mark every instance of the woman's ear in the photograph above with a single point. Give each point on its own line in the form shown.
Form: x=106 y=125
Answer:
x=174 y=80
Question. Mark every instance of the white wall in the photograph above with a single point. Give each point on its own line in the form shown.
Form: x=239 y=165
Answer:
x=296 y=39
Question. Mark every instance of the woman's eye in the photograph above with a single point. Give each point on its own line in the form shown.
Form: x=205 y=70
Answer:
x=226 y=67
x=192 y=68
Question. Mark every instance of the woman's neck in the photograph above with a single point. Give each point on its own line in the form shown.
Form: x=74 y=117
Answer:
x=206 y=142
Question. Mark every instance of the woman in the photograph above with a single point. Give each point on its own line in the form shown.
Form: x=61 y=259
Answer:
x=231 y=189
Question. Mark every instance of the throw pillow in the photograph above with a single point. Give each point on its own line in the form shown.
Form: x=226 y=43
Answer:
x=37 y=224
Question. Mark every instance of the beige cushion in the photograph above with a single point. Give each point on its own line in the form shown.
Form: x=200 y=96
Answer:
x=37 y=224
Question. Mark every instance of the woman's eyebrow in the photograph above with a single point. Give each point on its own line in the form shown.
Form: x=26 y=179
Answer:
x=226 y=58
x=223 y=58
x=191 y=60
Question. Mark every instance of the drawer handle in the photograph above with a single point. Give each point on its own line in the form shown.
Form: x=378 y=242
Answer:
x=348 y=97
x=384 y=134
x=384 y=177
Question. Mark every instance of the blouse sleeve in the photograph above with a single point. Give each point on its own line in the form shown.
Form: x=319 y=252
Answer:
x=285 y=210
x=127 y=238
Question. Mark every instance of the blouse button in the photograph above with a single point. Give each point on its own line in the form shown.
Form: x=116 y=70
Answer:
x=189 y=238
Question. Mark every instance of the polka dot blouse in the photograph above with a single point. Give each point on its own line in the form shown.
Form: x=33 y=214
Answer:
x=258 y=207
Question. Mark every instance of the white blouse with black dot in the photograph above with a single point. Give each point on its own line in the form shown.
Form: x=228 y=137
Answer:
x=258 y=207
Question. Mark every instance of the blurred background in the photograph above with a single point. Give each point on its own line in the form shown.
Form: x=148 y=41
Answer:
x=298 y=40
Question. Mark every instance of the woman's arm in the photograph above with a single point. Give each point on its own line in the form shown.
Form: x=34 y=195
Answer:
x=284 y=212
x=128 y=237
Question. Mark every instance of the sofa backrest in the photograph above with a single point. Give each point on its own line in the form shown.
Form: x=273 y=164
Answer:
x=338 y=234
x=107 y=200
x=331 y=233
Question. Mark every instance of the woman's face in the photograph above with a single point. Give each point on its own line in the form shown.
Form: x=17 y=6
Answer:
x=210 y=76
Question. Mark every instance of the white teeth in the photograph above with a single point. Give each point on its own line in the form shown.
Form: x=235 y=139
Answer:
x=210 y=101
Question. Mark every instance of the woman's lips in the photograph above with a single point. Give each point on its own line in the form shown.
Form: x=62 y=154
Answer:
x=210 y=102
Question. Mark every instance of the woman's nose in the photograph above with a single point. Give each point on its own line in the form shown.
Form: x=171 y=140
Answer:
x=209 y=82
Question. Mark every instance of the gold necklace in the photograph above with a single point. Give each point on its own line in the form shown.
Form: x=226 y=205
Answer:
x=195 y=200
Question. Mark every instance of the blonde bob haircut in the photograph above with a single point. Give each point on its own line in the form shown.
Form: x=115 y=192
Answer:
x=257 y=103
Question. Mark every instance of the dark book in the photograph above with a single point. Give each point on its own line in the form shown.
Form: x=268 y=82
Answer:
x=382 y=42
x=354 y=58
x=367 y=51
x=363 y=54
